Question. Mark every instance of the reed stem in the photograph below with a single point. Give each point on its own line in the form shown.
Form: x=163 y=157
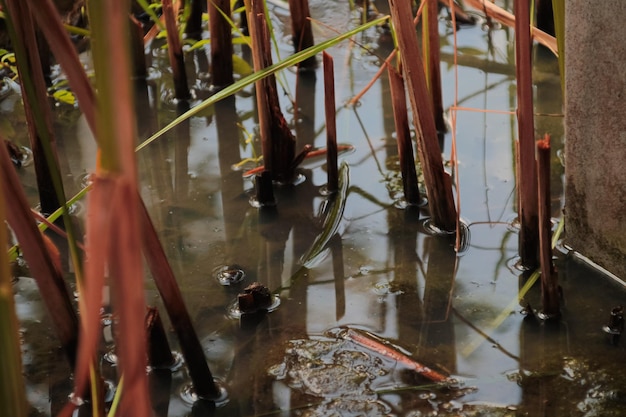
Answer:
x=438 y=182
x=175 y=52
x=194 y=22
x=221 y=43
x=527 y=179
x=277 y=140
x=403 y=135
x=549 y=284
x=12 y=392
x=159 y=352
x=302 y=33
x=431 y=49
x=331 y=124
x=165 y=281
x=36 y=104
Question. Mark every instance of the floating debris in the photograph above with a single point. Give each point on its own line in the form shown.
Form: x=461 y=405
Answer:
x=390 y=351
x=615 y=327
x=254 y=297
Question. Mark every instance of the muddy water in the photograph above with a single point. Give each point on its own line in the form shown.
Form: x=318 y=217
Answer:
x=387 y=275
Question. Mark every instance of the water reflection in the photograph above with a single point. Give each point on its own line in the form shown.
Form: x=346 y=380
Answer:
x=383 y=272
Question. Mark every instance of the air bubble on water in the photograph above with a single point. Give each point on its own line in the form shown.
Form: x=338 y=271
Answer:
x=109 y=390
x=76 y=400
x=189 y=396
x=177 y=363
x=110 y=357
x=85 y=179
x=365 y=269
x=26 y=156
x=431 y=229
x=229 y=275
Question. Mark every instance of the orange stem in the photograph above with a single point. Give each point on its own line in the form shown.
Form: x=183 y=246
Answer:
x=311 y=154
x=370 y=342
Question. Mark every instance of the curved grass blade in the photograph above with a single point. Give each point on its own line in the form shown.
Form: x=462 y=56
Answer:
x=150 y=12
x=250 y=79
x=332 y=222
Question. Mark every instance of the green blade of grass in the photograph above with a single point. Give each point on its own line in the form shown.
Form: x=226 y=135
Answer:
x=250 y=79
x=150 y=12
x=332 y=222
x=12 y=395
x=115 y=128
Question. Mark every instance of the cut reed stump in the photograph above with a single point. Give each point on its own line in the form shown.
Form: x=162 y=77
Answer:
x=331 y=125
x=302 y=34
x=175 y=52
x=550 y=296
x=278 y=142
x=527 y=179
x=193 y=29
x=221 y=43
x=438 y=182
x=403 y=134
x=137 y=47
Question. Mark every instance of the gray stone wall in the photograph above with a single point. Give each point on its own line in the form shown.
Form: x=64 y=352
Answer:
x=595 y=130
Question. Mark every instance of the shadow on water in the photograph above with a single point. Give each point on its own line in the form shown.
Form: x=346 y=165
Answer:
x=383 y=275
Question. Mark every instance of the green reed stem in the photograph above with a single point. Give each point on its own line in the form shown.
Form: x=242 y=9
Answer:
x=12 y=394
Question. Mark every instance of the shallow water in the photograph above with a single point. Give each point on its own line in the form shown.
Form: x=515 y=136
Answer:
x=457 y=313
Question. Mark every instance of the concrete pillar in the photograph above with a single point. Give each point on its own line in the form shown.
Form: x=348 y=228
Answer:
x=595 y=130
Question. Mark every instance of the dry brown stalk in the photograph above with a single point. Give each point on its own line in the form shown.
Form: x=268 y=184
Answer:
x=549 y=284
x=430 y=41
x=175 y=52
x=438 y=183
x=527 y=179
x=387 y=350
x=221 y=43
x=302 y=33
x=387 y=62
x=403 y=135
x=508 y=19
x=194 y=22
x=331 y=125
x=164 y=278
x=278 y=142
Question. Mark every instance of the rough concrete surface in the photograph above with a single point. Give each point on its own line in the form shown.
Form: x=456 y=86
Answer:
x=595 y=129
